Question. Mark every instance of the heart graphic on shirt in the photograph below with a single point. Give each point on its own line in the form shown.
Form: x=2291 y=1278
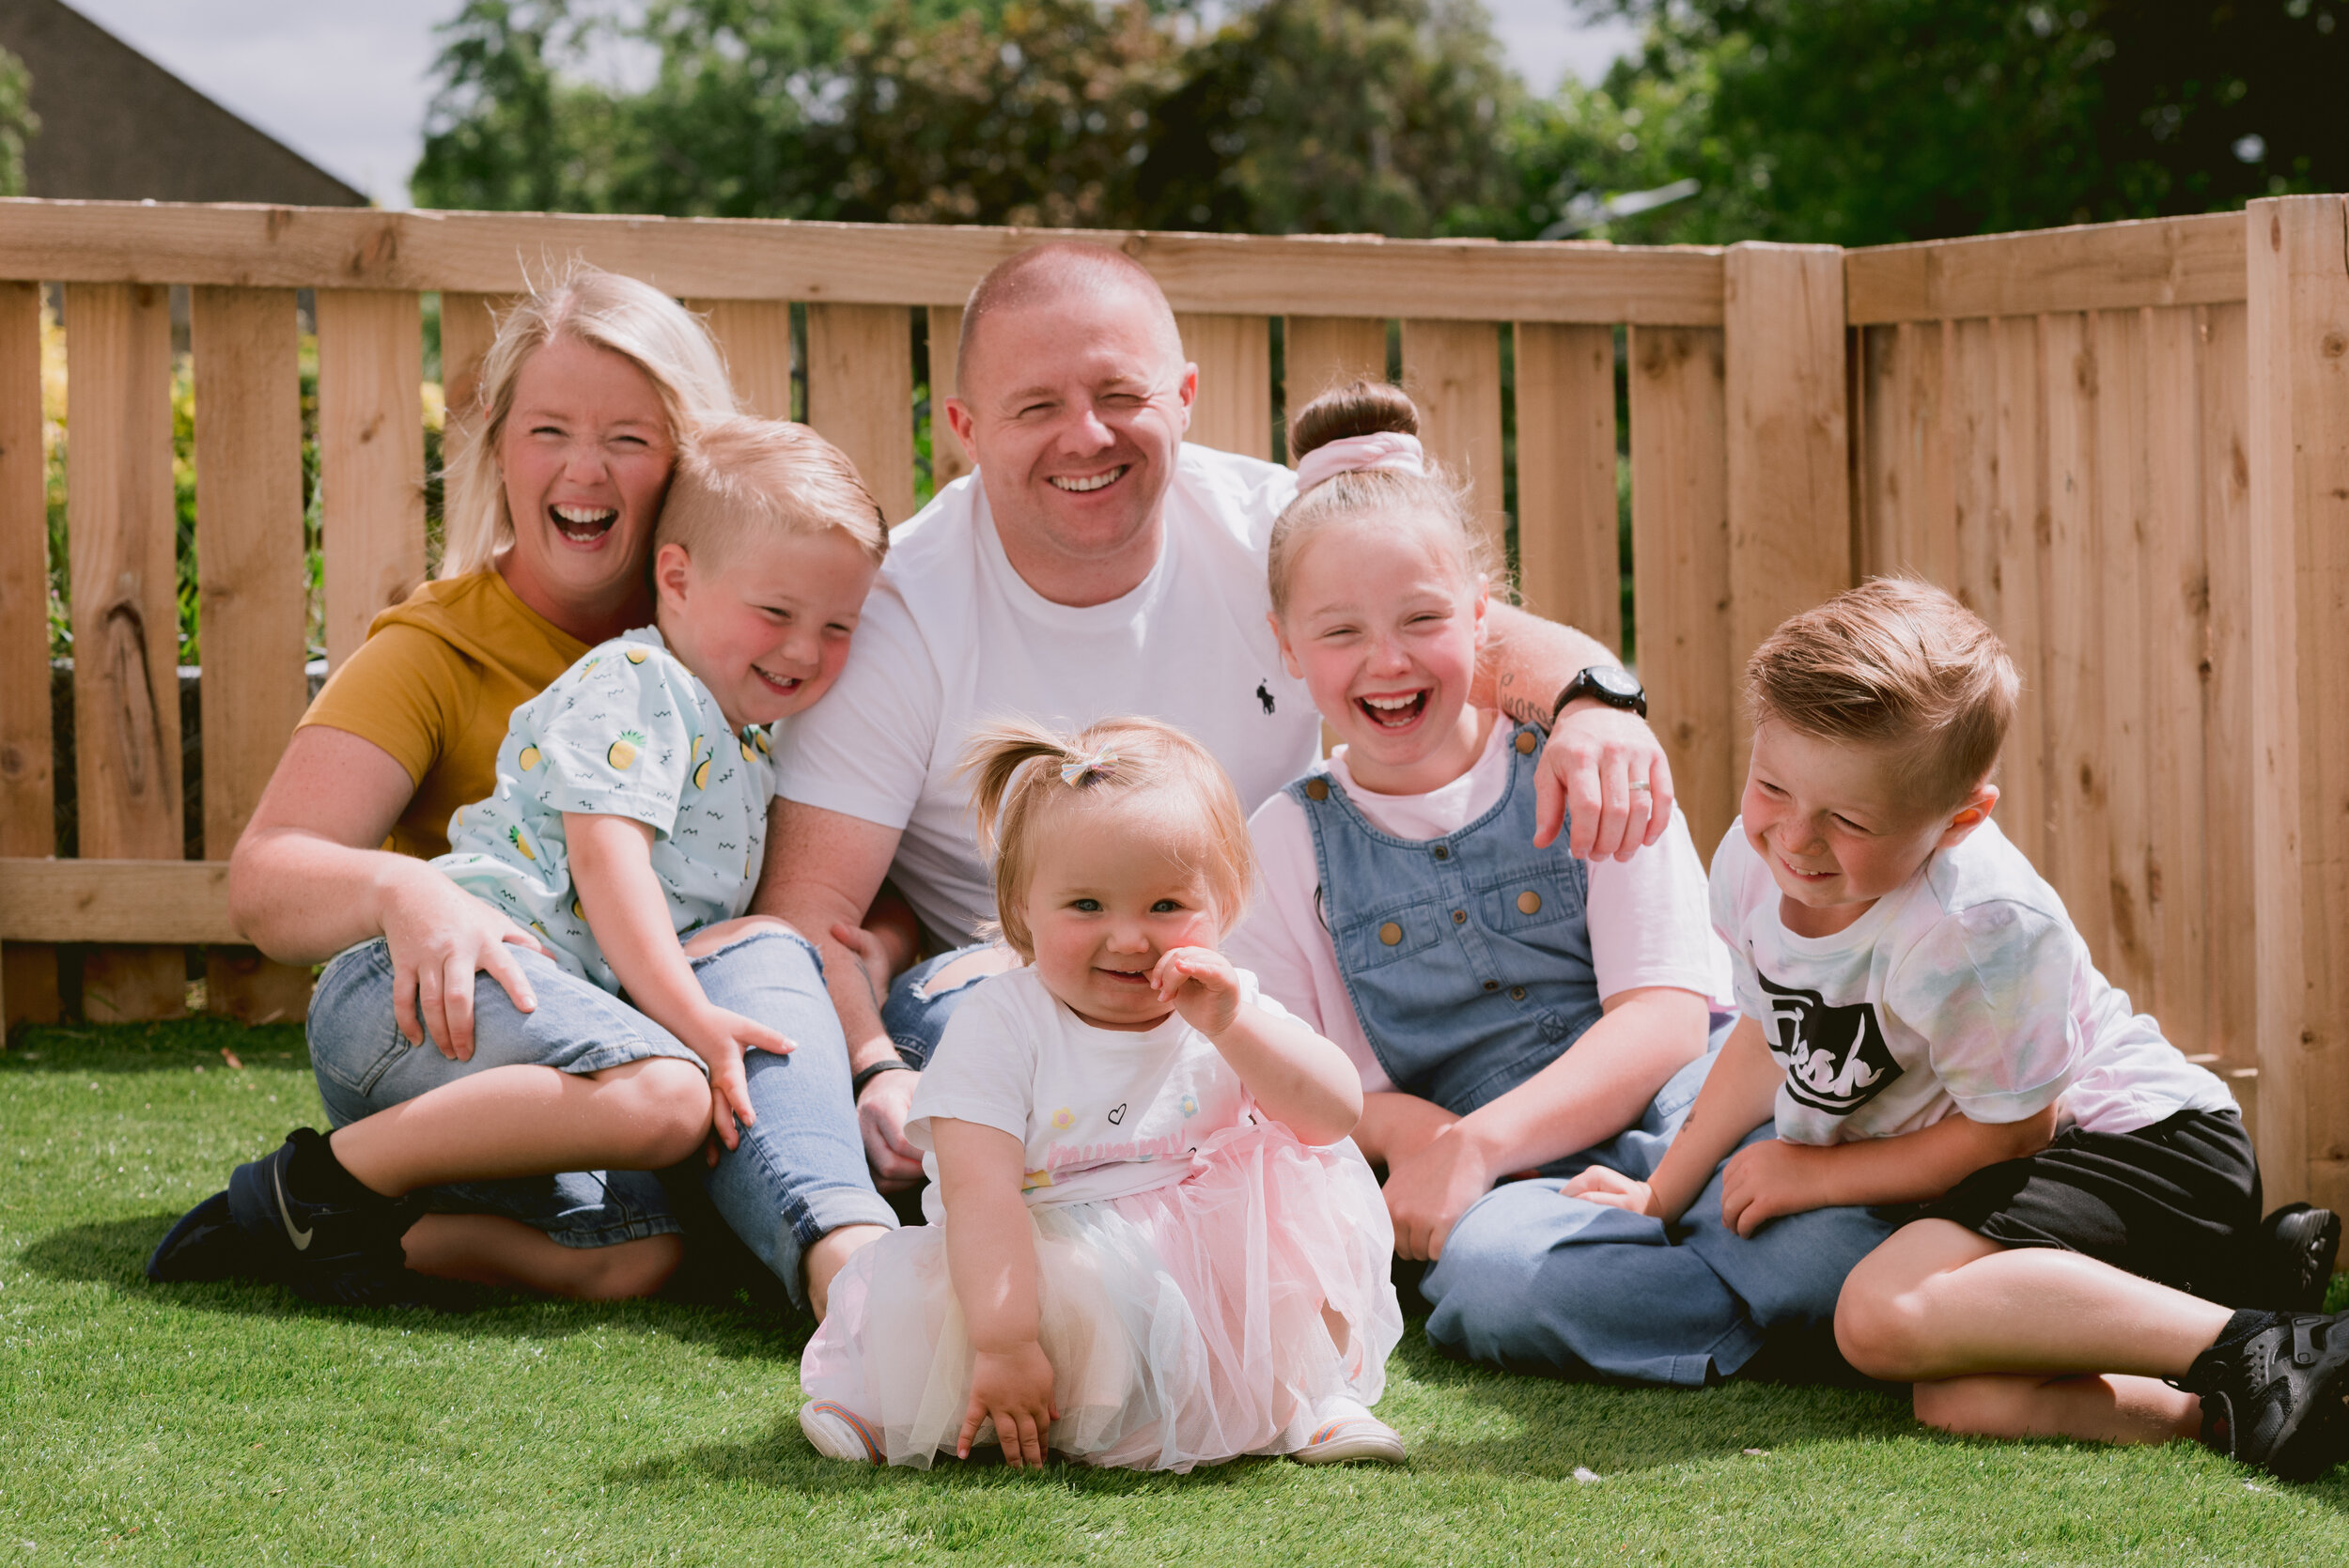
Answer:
x=1116 y=1116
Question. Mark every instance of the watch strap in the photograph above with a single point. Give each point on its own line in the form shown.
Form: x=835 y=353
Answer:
x=872 y=1070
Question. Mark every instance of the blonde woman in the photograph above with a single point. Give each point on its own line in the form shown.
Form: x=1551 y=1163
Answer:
x=440 y=1165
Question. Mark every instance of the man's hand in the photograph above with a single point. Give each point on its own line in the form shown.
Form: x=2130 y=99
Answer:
x=1598 y=1184
x=881 y=1116
x=1604 y=768
x=1763 y=1181
x=720 y=1037
x=1426 y=1192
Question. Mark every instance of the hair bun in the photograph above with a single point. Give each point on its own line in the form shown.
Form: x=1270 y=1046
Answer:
x=1365 y=408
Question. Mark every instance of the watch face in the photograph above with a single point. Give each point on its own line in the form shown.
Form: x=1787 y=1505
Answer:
x=1618 y=683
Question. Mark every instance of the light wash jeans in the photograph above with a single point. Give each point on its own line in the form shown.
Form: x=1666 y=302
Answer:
x=798 y=1172
x=916 y=1012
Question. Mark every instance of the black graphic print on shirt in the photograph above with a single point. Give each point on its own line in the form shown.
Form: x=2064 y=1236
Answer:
x=1837 y=1057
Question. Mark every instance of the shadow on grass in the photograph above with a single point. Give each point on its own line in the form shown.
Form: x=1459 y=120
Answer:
x=175 y=1045
x=706 y=1308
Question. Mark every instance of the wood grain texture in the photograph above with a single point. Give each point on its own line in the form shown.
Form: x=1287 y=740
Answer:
x=949 y=461
x=2160 y=261
x=293 y=247
x=370 y=457
x=2020 y=527
x=252 y=590
x=2114 y=665
x=1234 y=410
x=2230 y=763
x=1452 y=369
x=755 y=337
x=2079 y=854
x=1569 y=564
x=1680 y=565
x=28 y=986
x=468 y=327
x=1788 y=467
x=116 y=901
x=860 y=395
x=1319 y=353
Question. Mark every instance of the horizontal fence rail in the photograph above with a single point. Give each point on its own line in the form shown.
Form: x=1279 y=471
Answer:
x=2097 y=437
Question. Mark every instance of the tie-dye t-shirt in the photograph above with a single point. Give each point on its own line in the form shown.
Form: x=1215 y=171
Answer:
x=626 y=731
x=1103 y=1112
x=1966 y=988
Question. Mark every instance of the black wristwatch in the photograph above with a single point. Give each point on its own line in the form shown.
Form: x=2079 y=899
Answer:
x=1611 y=684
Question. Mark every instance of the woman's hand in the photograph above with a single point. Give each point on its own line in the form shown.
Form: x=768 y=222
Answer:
x=1201 y=985
x=1598 y=1184
x=720 y=1037
x=439 y=937
x=1427 y=1191
x=1012 y=1387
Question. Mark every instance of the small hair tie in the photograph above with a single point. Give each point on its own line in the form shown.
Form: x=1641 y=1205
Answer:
x=1077 y=769
x=1391 y=451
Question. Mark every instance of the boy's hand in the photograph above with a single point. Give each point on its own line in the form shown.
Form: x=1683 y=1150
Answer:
x=1598 y=1184
x=1201 y=985
x=1014 y=1388
x=1763 y=1181
x=719 y=1038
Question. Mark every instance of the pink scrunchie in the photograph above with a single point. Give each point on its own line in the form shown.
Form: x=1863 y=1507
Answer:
x=1390 y=450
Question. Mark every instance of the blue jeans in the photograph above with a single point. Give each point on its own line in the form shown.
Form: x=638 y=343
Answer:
x=799 y=1171
x=915 y=1014
x=1533 y=1280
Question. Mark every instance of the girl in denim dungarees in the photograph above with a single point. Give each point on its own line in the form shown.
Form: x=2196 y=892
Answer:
x=1511 y=1009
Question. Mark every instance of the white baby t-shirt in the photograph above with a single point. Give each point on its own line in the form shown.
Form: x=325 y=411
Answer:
x=1966 y=989
x=1104 y=1112
x=1649 y=920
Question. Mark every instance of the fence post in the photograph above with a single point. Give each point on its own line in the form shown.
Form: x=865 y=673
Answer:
x=2298 y=280
x=1790 y=533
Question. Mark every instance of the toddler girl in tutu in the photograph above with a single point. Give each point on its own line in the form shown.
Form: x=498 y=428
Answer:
x=1143 y=1249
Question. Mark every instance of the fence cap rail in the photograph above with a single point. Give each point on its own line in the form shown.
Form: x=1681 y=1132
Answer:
x=2156 y=261
x=242 y=245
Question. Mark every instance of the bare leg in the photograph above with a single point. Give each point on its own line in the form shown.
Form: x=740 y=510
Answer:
x=521 y=1121
x=1396 y=1126
x=1939 y=1305
x=490 y=1249
x=824 y=1260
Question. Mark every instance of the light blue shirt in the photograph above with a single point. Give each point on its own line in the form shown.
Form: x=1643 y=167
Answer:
x=626 y=731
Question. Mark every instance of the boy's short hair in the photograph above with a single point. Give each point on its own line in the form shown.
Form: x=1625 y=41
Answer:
x=740 y=478
x=1899 y=664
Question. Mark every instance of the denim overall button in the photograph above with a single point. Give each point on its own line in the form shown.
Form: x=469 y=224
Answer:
x=1318 y=789
x=1459 y=917
x=1443 y=852
x=1525 y=743
x=1517 y=993
x=1390 y=933
x=1492 y=985
x=1528 y=903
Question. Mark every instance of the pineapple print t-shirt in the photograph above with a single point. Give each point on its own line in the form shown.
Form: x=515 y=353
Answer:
x=626 y=731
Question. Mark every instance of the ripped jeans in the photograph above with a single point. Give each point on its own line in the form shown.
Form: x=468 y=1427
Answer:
x=927 y=995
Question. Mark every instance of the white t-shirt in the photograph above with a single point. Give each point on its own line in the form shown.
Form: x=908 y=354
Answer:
x=1104 y=1112
x=952 y=638
x=1966 y=990
x=1649 y=922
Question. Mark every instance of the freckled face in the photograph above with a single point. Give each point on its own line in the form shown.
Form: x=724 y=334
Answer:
x=1111 y=893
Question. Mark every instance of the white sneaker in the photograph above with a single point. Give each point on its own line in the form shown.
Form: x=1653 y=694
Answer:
x=1344 y=1430
x=836 y=1432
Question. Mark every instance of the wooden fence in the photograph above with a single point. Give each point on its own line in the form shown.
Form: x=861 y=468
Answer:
x=2122 y=444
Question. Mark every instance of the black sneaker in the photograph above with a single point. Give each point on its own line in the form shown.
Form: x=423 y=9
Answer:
x=206 y=1244
x=2275 y=1398
x=344 y=1254
x=2297 y=1246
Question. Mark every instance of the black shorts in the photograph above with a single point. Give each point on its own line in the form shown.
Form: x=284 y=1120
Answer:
x=2177 y=1202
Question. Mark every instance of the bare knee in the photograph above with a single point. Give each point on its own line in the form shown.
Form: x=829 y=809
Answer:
x=626 y=1270
x=971 y=966
x=727 y=932
x=665 y=1112
x=1882 y=1331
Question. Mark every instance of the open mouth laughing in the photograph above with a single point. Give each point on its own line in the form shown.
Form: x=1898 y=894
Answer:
x=583 y=525
x=1396 y=712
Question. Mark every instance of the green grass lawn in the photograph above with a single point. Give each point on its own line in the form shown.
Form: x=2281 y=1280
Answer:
x=233 y=1424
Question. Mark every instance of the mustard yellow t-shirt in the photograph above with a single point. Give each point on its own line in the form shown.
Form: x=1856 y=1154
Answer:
x=434 y=684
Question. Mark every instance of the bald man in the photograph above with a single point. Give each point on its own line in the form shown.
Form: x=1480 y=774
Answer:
x=1094 y=564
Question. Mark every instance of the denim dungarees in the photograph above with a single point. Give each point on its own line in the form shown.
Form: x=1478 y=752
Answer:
x=1468 y=958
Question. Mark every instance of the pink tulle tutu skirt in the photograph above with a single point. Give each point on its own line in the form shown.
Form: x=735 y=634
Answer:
x=1187 y=1325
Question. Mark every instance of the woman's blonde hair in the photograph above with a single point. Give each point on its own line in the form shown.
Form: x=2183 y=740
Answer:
x=1024 y=773
x=1439 y=506
x=606 y=310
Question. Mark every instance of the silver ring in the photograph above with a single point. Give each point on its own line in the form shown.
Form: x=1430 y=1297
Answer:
x=1643 y=784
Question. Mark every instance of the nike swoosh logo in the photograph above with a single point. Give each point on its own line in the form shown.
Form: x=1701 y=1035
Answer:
x=300 y=1238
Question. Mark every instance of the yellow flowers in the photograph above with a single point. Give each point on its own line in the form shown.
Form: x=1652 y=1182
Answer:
x=623 y=752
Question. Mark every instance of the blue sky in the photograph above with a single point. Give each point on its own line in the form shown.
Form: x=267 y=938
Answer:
x=343 y=82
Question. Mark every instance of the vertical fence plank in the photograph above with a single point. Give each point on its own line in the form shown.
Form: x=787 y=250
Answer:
x=860 y=395
x=1234 y=412
x=1789 y=472
x=1453 y=371
x=2079 y=859
x=126 y=644
x=2116 y=659
x=1680 y=565
x=253 y=591
x=755 y=337
x=1320 y=353
x=2228 y=765
x=468 y=327
x=948 y=460
x=2299 y=405
x=1569 y=561
x=370 y=457
x=1972 y=412
x=29 y=983
x=2019 y=544
x=1878 y=421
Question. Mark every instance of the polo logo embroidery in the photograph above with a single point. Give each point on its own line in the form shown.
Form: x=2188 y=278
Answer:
x=1837 y=1059
x=1264 y=694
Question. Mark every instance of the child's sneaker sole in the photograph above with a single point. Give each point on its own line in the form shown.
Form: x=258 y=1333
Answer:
x=1352 y=1438
x=836 y=1432
x=2302 y=1243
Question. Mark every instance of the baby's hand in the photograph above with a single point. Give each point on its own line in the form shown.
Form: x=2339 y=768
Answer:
x=1201 y=985
x=720 y=1037
x=1014 y=1388
x=1598 y=1184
